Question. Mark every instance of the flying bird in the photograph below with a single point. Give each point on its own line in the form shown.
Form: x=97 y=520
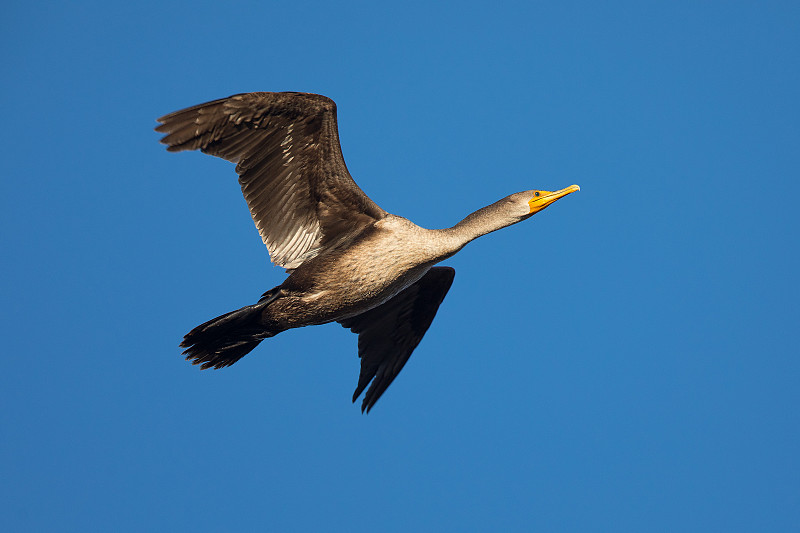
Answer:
x=348 y=260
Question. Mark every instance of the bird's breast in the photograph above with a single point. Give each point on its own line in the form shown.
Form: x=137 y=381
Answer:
x=364 y=275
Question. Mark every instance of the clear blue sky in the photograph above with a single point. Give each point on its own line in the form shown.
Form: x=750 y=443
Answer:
x=625 y=361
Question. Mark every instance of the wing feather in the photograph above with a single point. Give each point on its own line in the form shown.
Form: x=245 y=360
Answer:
x=290 y=166
x=389 y=333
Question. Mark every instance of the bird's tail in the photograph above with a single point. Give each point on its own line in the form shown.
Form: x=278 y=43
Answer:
x=222 y=341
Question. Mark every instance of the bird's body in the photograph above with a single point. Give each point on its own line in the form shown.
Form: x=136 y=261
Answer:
x=386 y=258
x=349 y=260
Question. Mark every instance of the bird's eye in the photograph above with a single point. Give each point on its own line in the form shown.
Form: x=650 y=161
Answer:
x=536 y=193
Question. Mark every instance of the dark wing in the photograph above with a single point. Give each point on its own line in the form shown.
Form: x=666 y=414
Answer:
x=290 y=166
x=389 y=333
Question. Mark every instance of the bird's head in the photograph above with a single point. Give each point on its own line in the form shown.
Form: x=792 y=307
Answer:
x=538 y=200
x=510 y=210
x=527 y=203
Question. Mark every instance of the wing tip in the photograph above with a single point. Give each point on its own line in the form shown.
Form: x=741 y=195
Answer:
x=367 y=403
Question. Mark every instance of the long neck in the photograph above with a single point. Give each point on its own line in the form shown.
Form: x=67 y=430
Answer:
x=485 y=220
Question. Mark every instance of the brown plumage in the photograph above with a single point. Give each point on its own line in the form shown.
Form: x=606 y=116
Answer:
x=349 y=260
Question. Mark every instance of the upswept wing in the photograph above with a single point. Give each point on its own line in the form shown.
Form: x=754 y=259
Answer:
x=389 y=333
x=290 y=165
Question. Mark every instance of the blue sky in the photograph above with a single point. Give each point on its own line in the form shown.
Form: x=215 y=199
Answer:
x=624 y=361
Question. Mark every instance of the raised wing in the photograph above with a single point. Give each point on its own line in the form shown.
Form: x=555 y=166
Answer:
x=290 y=165
x=389 y=333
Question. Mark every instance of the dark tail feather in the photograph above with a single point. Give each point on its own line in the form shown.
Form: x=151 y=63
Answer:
x=222 y=341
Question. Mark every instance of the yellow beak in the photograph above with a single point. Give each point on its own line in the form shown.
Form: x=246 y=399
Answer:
x=546 y=198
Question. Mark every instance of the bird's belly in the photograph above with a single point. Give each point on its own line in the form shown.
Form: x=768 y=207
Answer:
x=353 y=295
x=349 y=282
x=345 y=290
